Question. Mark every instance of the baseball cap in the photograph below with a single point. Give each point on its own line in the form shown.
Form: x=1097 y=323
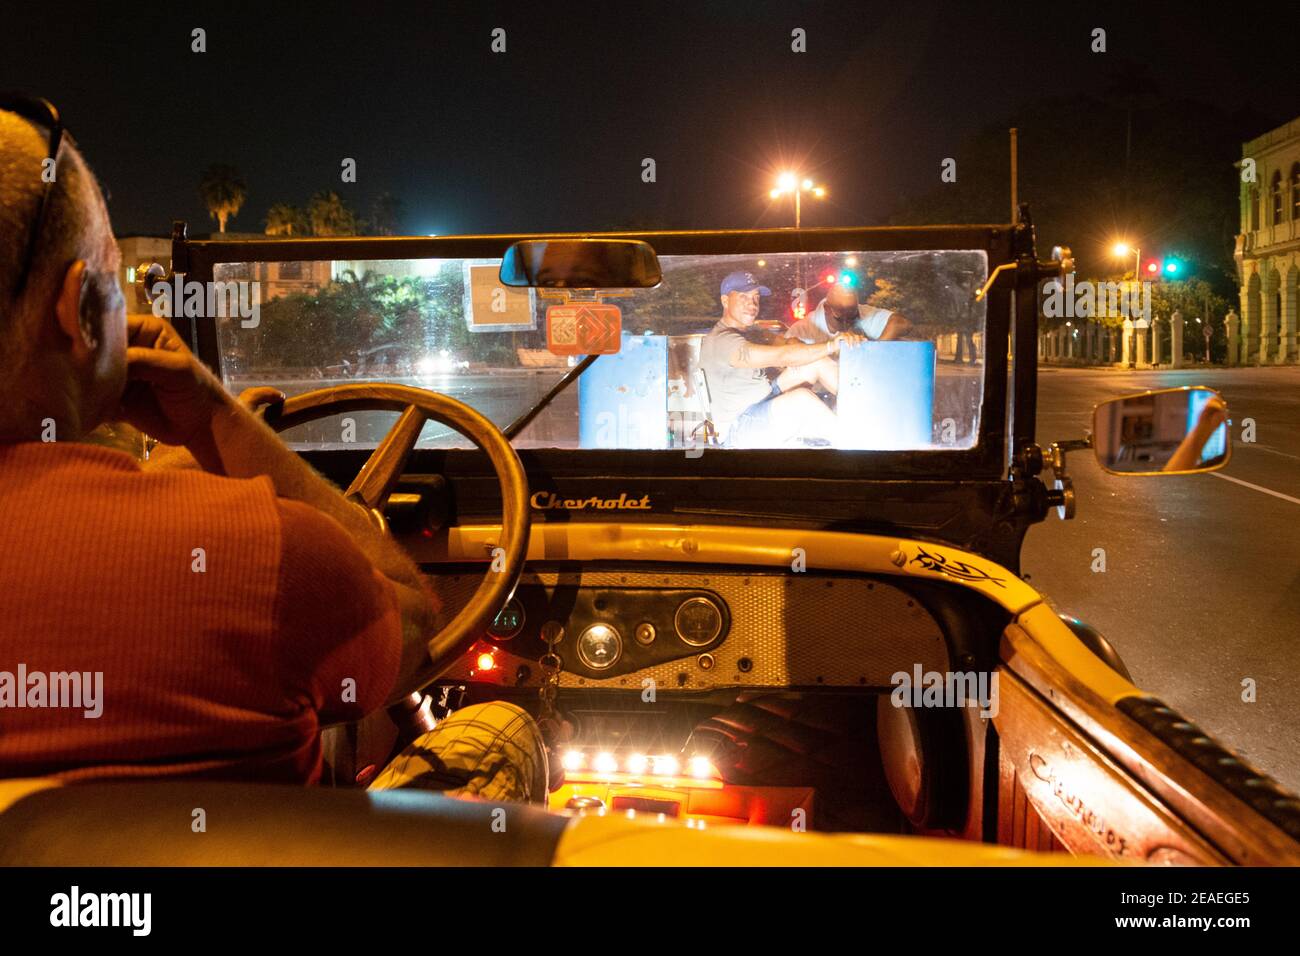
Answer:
x=743 y=282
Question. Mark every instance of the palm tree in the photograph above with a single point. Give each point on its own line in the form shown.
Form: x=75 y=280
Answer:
x=282 y=219
x=329 y=215
x=223 y=191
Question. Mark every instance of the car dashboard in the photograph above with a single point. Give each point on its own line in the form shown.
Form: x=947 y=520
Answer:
x=708 y=695
x=618 y=628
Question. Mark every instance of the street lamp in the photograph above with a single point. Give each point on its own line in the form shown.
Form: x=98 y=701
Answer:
x=1121 y=250
x=790 y=183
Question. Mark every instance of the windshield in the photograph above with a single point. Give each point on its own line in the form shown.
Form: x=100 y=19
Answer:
x=857 y=350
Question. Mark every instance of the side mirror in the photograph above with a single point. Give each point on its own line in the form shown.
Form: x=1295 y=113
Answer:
x=1065 y=257
x=1174 y=431
x=147 y=275
x=581 y=264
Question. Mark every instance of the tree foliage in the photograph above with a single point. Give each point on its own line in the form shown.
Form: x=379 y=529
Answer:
x=223 y=191
x=347 y=321
x=284 y=219
x=329 y=215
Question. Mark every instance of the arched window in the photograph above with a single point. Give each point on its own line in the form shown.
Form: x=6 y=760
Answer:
x=1277 y=196
x=1295 y=191
x=1254 y=208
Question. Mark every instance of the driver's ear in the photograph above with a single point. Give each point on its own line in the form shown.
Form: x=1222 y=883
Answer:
x=79 y=327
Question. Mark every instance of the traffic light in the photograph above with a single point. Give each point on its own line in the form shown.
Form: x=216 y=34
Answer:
x=1170 y=268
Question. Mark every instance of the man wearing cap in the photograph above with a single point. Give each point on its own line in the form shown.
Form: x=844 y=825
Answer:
x=751 y=408
x=839 y=311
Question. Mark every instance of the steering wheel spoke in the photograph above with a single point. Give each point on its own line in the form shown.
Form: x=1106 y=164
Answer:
x=377 y=478
x=374 y=482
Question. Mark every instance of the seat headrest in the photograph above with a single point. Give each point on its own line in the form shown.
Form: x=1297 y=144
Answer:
x=158 y=824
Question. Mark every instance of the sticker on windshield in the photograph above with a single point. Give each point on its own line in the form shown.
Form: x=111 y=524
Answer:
x=583 y=328
x=493 y=307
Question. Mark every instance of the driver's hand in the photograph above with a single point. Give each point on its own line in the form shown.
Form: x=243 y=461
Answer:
x=841 y=339
x=1213 y=414
x=170 y=394
x=259 y=397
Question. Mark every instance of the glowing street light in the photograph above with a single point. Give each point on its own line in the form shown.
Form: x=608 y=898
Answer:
x=790 y=183
x=1121 y=250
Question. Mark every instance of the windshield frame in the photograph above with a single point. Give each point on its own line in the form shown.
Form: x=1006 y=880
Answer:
x=197 y=259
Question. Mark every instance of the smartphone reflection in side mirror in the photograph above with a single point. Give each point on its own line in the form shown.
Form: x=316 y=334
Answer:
x=1174 y=431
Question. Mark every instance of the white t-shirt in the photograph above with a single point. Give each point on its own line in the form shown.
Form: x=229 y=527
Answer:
x=812 y=327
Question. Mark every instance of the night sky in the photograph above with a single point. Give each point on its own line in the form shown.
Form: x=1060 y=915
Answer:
x=550 y=135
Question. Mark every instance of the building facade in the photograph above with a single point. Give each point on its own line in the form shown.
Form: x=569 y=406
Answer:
x=1268 y=247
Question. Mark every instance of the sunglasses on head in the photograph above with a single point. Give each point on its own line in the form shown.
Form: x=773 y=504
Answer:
x=43 y=113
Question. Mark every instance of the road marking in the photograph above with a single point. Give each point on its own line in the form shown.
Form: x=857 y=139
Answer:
x=1267 y=491
x=1241 y=445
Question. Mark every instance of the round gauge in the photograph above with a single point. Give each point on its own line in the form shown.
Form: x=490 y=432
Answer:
x=698 y=621
x=508 y=622
x=599 y=646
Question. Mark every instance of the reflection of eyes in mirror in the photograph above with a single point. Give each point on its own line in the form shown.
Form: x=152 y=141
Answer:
x=580 y=264
x=1174 y=431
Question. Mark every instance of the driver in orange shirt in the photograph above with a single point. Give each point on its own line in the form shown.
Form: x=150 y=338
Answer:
x=221 y=617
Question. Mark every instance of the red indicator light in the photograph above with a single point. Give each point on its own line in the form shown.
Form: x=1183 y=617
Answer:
x=486 y=662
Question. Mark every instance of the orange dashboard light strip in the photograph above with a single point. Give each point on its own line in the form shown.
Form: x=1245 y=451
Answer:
x=618 y=778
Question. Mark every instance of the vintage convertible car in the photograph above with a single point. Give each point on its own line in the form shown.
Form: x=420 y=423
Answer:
x=814 y=650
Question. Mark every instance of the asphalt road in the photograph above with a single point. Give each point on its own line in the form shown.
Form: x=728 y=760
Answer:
x=1201 y=588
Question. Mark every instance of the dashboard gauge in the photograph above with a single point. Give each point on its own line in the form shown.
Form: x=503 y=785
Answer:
x=599 y=646
x=698 y=621
x=508 y=622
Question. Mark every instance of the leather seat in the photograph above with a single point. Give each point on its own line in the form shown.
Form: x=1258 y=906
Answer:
x=149 y=824
x=152 y=824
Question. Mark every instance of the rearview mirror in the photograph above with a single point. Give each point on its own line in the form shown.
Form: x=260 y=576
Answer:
x=1175 y=431
x=581 y=264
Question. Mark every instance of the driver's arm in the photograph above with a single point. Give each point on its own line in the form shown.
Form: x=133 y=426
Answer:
x=239 y=444
x=328 y=597
x=1188 y=454
x=896 y=327
x=752 y=355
